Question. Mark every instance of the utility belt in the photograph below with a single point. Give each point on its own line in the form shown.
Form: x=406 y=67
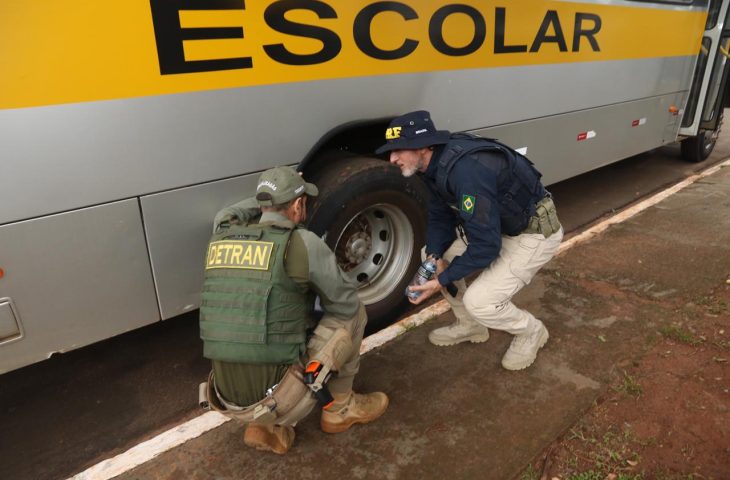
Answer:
x=545 y=220
x=280 y=401
x=297 y=392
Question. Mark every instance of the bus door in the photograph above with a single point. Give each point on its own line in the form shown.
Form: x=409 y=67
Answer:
x=703 y=111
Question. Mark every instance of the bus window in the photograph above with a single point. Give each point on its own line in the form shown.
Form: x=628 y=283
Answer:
x=712 y=14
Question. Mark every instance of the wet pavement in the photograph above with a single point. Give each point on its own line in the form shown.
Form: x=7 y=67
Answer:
x=454 y=411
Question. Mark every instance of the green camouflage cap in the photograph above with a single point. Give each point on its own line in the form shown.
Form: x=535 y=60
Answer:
x=279 y=185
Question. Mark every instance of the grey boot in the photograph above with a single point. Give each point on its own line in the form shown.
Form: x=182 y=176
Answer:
x=459 y=331
x=523 y=349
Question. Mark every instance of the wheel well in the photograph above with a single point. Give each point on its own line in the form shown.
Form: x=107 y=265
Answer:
x=359 y=138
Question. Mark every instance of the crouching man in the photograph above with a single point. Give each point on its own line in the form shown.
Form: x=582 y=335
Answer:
x=263 y=271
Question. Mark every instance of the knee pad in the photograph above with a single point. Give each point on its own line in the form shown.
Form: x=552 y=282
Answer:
x=330 y=350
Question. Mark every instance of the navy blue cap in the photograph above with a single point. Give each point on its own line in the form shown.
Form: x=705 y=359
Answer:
x=412 y=131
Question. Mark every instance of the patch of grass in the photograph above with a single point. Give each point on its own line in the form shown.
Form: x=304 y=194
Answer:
x=629 y=386
x=674 y=476
x=530 y=474
x=577 y=435
x=611 y=452
x=720 y=307
x=586 y=476
x=678 y=334
x=713 y=305
x=647 y=442
x=593 y=475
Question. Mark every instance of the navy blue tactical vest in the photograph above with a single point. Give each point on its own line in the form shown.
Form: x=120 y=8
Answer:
x=518 y=184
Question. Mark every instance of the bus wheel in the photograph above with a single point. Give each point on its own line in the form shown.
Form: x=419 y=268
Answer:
x=374 y=220
x=697 y=149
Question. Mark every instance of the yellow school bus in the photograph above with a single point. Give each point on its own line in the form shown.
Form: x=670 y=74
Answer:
x=125 y=126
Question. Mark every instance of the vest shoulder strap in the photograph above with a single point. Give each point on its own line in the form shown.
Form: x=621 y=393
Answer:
x=461 y=145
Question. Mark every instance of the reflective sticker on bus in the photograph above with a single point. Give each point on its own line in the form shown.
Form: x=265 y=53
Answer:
x=586 y=135
x=68 y=51
x=245 y=254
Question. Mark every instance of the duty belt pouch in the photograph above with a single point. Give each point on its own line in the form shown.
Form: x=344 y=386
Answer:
x=287 y=395
x=552 y=216
x=547 y=217
x=290 y=391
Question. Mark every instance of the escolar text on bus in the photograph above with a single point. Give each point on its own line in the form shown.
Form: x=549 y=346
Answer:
x=568 y=32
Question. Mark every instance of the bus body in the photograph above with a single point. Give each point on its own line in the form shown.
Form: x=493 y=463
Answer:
x=125 y=126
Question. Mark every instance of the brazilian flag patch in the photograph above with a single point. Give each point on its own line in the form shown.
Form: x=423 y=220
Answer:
x=467 y=203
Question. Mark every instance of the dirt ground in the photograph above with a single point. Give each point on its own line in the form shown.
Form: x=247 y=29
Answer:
x=665 y=414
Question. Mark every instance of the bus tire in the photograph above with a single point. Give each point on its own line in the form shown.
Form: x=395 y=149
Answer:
x=374 y=219
x=697 y=149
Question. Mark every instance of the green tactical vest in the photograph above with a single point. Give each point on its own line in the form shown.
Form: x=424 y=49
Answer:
x=251 y=311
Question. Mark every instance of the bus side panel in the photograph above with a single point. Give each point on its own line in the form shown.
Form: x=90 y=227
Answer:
x=74 y=279
x=71 y=156
x=570 y=144
x=468 y=99
x=178 y=226
x=178 y=223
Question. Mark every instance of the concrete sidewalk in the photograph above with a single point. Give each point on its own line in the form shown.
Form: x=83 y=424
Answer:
x=455 y=412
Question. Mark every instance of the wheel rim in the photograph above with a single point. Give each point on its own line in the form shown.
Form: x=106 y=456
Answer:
x=375 y=249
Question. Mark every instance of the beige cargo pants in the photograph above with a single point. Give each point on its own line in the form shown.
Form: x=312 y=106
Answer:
x=488 y=300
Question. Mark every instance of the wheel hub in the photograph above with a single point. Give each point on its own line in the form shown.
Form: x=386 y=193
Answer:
x=374 y=250
x=358 y=247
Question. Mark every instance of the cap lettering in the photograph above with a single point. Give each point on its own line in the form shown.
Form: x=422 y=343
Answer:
x=266 y=183
x=392 y=133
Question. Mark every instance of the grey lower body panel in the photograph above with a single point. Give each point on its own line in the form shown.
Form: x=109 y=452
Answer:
x=179 y=224
x=74 y=279
x=612 y=133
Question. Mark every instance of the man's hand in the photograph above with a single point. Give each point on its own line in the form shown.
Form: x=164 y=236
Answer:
x=427 y=290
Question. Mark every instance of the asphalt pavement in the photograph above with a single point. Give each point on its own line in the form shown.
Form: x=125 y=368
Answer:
x=454 y=411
